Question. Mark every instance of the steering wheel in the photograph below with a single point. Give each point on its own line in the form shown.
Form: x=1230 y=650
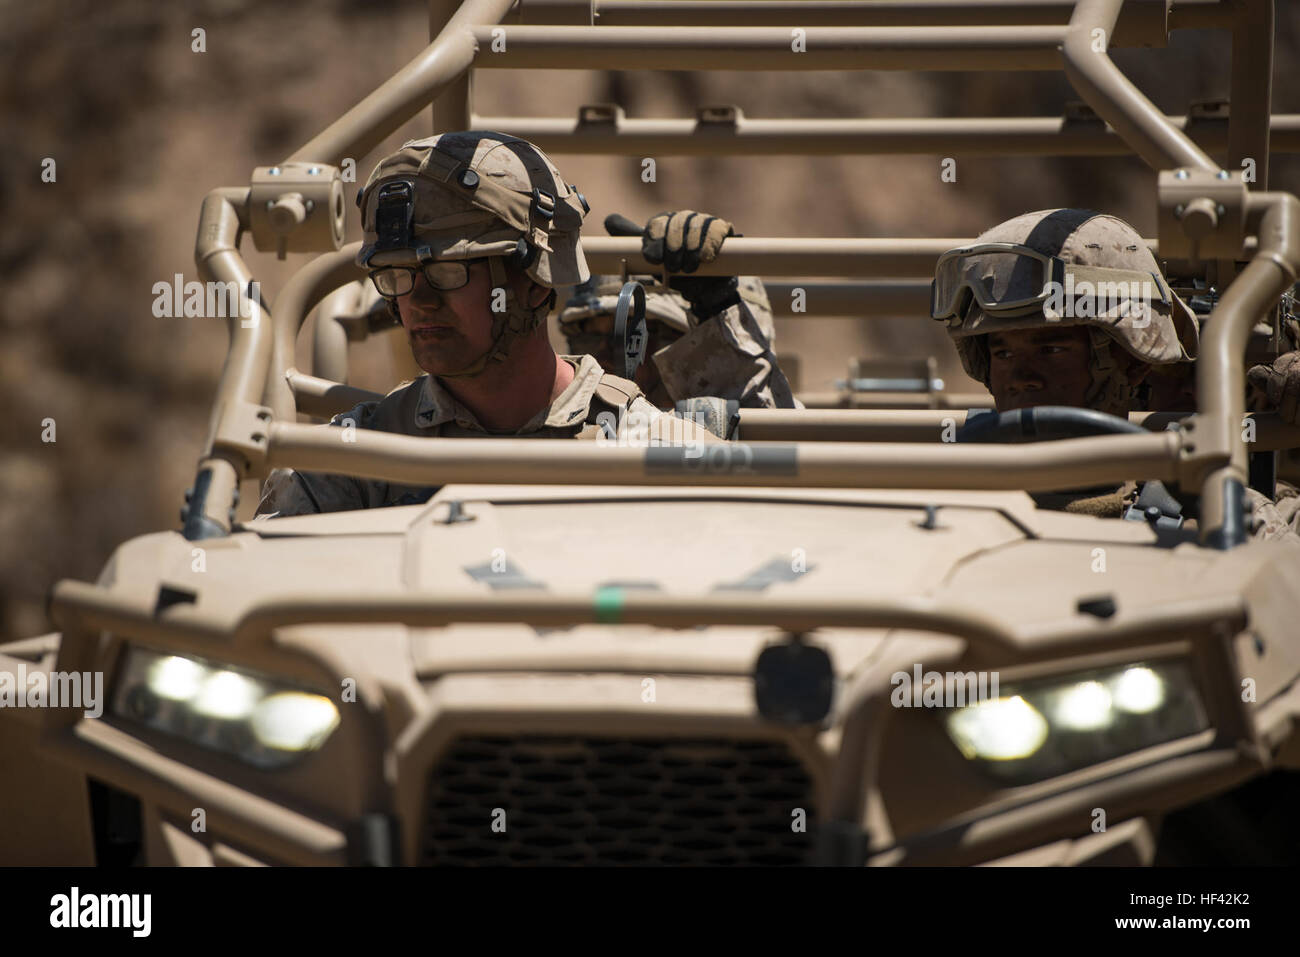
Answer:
x=1043 y=423
x=1161 y=507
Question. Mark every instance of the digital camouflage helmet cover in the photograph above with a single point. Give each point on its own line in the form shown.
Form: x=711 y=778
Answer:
x=470 y=195
x=1065 y=267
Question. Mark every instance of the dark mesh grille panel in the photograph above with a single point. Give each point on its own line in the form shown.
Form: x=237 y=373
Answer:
x=617 y=801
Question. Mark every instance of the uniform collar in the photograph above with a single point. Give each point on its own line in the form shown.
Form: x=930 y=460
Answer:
x=436 y=405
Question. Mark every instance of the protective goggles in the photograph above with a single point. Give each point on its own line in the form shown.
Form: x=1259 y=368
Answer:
x=1007 y=277
x=393 y=281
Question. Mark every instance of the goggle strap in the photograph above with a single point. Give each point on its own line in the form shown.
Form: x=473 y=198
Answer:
x=1097 y=275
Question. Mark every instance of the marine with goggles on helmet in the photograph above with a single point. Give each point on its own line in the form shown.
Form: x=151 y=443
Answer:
x=467 y=237
x=1068 y=307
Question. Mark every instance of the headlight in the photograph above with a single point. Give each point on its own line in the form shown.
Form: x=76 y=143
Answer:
x=1039 y=729
x=255 y=718
x=1000 y=730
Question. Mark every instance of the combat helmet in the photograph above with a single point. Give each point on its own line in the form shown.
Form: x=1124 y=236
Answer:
x=598 y=297
x=470 y=195
x=1065 y=267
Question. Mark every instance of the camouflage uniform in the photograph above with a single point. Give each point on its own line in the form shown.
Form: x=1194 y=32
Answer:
x=729 y=355
x=1166 y=334
x=423 y=407
x=1268 y=520
x=1275 y=519
x=1279 y=383
x=468 y=196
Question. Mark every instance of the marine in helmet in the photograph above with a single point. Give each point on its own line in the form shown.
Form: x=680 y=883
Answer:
x=1068 y=307
x=1276 y=386
x=1061 y=307
x=467 y=236
x=708 y=335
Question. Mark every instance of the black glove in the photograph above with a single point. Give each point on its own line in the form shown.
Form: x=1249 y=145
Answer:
x=681 y=242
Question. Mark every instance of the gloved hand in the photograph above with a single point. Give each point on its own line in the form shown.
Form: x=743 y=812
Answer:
x=681 y=241
x=1280 y=384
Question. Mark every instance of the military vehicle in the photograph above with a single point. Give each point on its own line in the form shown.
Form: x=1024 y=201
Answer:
x=837 y=639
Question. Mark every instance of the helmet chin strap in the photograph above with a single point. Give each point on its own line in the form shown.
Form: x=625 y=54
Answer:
x=1110 y=390
x=517 y=320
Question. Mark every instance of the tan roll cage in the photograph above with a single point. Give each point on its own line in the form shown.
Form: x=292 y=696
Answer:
x=1206 y=215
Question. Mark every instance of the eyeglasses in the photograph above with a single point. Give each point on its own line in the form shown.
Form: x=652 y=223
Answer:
x=394 y=281
x=1006 y=277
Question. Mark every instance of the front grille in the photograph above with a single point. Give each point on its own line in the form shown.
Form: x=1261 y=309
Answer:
x=610 y=801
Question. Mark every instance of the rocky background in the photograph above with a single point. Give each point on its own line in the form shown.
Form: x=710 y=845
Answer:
x=141 y=127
